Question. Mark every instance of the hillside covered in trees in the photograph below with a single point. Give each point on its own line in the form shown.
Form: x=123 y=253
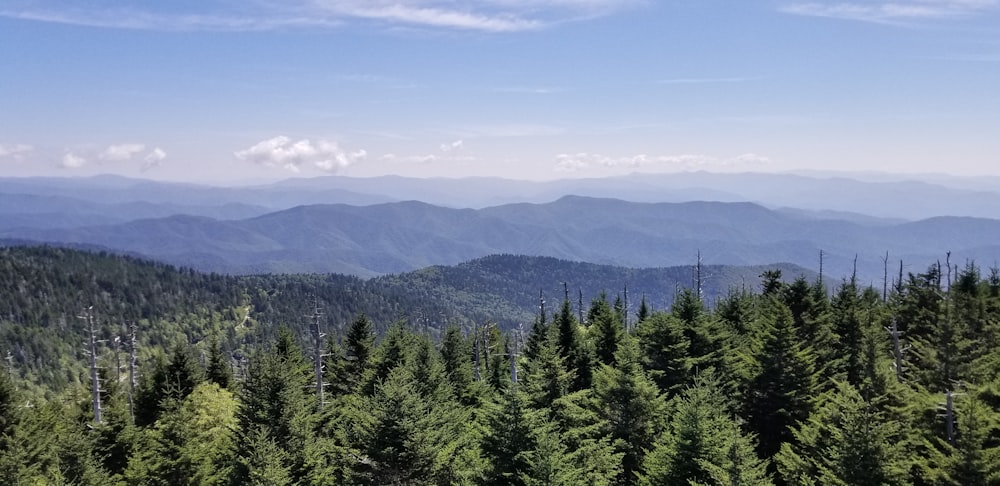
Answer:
x=44 y=290
x=775 y=382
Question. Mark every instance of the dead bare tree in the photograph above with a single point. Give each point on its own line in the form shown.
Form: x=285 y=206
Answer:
x=95 y=379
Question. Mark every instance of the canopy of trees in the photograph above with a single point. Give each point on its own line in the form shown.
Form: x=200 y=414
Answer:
x=794 y=385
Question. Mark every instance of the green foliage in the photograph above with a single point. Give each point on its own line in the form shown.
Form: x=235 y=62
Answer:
x=699 y=395
x=780 y=393
x=572 y=347
x=631 y=407
x=846 y=441
x=665 y=351
x=606 y=330
x=703 y=444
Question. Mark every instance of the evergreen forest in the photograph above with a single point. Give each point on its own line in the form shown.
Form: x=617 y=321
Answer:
x=120 y=371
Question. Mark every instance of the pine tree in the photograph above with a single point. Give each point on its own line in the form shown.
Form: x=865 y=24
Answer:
x=509 y=442
x=849 y=329
x=545 y=377
x=358 y=348
x=572 y=348
x=811 y=315
x=703 y=444
x=606 y=330
x=219 y=370
x=781 y=390
x=975 y=457
x=631 y=406
x=456 y=352
x=846 y=441
x=664 y=351
x=274 y=407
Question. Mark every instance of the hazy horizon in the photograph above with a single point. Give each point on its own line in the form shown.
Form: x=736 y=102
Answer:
x=219 y=92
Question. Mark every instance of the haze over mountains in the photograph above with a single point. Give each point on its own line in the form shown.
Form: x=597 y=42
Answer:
x=376 y=226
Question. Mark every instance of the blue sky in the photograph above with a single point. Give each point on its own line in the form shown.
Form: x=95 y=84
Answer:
x=237 y=90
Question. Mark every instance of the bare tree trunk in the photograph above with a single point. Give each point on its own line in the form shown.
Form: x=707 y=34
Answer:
x=95 y=379
x=131 y=372
x=318 y=356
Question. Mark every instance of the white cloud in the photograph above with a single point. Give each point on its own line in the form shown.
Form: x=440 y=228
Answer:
x=222 y=15
x=583 y=161
x=121 y=152
x=153 y=159
x=73 y=161
x=448 y=147
x=894 y=11
x=282 y=151
x=429 y=15
x=413 y=159
x=750 y=159
x=16 y=151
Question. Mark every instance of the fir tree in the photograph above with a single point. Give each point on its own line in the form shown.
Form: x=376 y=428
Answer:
x=781 y=390
x=606 y=330
x=631 y=407
x=664 y=351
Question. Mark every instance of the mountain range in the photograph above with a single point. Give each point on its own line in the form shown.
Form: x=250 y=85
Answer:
x=403 y=236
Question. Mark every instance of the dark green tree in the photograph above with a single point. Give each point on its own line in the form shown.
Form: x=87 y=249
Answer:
x=703 y=444
x=572 y=347
x=219 y=369
x=631 y=407
x=664 y=350
x=358 y=347
x=782 y=386
x=509 y=442
x=606 y=330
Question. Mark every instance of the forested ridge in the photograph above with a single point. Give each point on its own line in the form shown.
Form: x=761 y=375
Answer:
x=43 y=290
x=797 y=383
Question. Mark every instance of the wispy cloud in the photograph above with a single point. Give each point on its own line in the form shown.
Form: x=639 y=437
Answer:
x=220 y=15
x=131 y=19
x=736 y=79
x=507 y=130
x=116 y=154
x=153 y=159
x=893 y=12
x=426 y=158
x=584 y=161
x=71 y=160
x=121 y=152
x=16 y=151
x=282 y=151
x=450 y=147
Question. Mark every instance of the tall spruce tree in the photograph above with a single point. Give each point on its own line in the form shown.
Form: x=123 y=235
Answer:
x=782 y=387
x=606 y=330
x=664 y=350
x=631 y=406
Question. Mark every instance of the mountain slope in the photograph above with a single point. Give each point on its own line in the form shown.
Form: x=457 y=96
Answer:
x=43 y=290
x=399 y=237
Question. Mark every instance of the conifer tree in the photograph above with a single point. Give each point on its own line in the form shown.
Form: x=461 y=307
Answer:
x=219 y=370
x=847 y=441
x=811 y=315
x=546 y=378
x=274 y=408
x=606 y=330
x=358 y=348
x=781 y=390
x=509 y=441
x=643 y=311
x=456 y=352
x=664 y=351
x=572 y=347
x=703 y=444
x=631 y=407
